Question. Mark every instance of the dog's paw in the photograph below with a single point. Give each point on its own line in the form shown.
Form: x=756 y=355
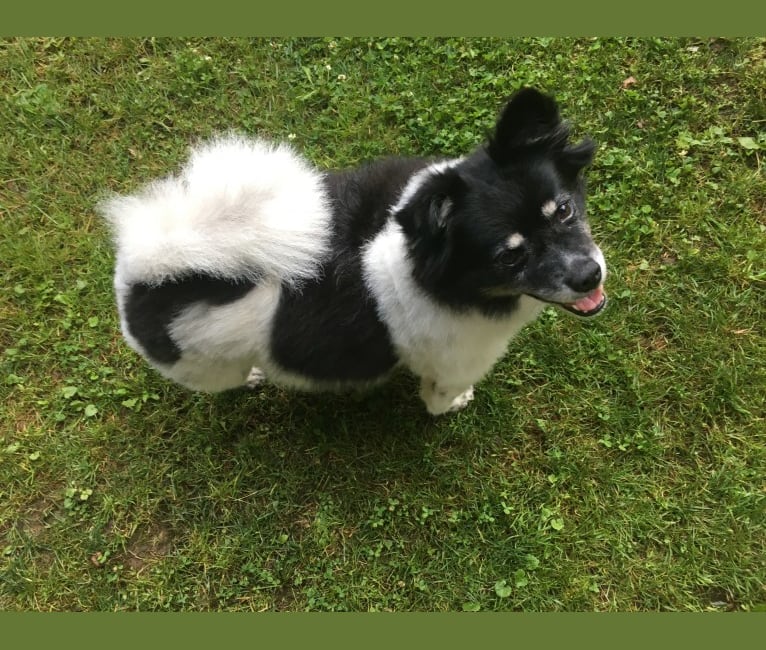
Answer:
x=255 y=378
x=440 y=400
x=461 y=401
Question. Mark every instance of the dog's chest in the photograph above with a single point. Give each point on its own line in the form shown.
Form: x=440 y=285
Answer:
x=434 y=340
x=438 y=342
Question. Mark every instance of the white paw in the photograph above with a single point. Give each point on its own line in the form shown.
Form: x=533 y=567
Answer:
x=461 y=401
x=255 y=378
x=440 y=400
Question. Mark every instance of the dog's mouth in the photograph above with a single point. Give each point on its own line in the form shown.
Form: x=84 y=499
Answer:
x=590 y=305
x=587 y=306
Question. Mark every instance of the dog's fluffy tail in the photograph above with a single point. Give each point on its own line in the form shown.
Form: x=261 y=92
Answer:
x=239 y=209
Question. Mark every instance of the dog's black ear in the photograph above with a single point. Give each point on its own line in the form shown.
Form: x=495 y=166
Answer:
x=529 y=119
x=574 y=158
x=440 y=207
x=427 y=219
x=428 y=212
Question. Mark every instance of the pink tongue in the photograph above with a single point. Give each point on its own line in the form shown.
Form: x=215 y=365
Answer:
x=591 y=301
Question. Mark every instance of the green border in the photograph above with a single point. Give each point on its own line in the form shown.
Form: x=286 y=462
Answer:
x=462 y=631
x=387 y=17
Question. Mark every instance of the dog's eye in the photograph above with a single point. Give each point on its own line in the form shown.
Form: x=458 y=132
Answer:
x=564 y=211
x=511 y=256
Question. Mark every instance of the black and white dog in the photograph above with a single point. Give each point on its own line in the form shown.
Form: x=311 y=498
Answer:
x=252 y=264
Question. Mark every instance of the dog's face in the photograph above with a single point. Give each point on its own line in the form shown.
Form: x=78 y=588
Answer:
x=510 y=219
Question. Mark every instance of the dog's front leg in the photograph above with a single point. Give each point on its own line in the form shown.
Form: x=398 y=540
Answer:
x=443 y=397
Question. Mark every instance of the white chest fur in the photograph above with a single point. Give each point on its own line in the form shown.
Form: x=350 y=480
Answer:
x=449 y=350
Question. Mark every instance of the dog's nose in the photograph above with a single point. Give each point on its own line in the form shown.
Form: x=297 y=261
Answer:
x=584 y=276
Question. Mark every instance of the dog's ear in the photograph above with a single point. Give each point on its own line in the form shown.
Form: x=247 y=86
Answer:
x=574 y=158
x=440 y=207
x=428 y=212
x=528 y=118
x=427 y=221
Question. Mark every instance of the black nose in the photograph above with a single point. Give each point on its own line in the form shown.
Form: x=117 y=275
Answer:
x=584 y=276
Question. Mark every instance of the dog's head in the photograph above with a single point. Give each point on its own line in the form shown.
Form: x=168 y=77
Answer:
x=509 y=219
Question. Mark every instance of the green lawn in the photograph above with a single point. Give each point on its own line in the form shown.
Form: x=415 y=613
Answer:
x=615 y=464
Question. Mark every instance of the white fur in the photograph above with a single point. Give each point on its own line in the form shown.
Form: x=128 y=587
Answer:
x=240 y=208
x=255 y=378
x=549 y=209
x=515 y=240
x=448 y=350
x=417 y=180
x=221 y=344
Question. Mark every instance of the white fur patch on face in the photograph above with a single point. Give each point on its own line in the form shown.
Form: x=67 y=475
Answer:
x=549 y=209
x=515 y=240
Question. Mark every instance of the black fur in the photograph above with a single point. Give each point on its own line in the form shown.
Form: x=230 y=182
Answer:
x=334 y=317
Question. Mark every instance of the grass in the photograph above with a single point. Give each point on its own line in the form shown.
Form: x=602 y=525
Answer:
x=608 y=465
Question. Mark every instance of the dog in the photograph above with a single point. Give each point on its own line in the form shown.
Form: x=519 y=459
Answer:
x=252 y=264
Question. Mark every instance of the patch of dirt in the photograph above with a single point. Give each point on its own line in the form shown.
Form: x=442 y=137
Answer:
x=654 y=343
x=147 y=546
x=719 y=598
x=284 y=599
x=34 y=520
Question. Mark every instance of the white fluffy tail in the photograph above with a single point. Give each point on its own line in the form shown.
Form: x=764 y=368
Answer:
x=240 y=208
